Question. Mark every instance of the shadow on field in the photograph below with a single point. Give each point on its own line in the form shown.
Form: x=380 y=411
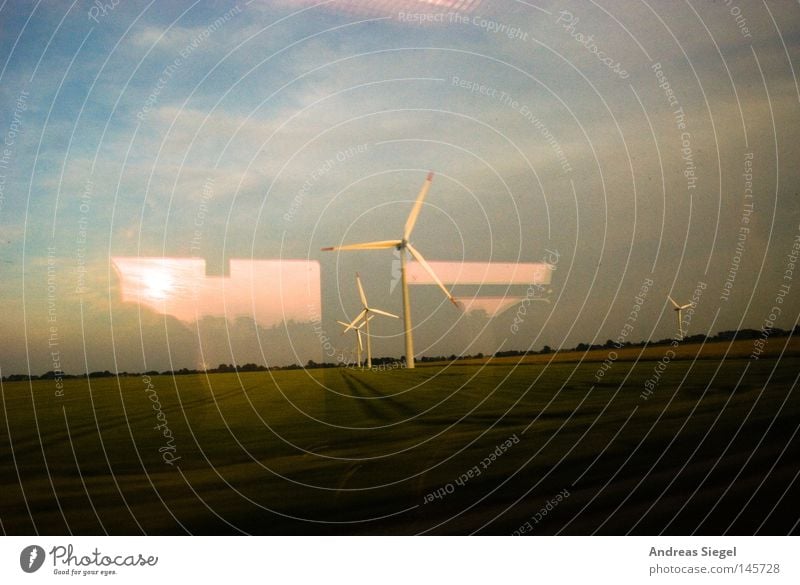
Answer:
x=373 y=401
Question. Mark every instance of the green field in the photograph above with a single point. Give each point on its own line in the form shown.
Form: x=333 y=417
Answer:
x=712 y=450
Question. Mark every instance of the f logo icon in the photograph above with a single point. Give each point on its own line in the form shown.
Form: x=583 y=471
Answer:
x=31 y=558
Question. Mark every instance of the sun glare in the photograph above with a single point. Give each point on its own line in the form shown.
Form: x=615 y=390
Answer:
x=159 y=285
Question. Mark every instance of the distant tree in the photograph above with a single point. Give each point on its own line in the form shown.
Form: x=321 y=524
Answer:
x=508 y=353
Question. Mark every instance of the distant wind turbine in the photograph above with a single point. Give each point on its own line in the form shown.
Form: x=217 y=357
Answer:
x=679 y=310
x=365 y=314
x=404 y=245
x=359 y=342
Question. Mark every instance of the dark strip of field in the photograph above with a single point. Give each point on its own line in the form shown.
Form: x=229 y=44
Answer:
x=775 y=348
x=705 y=447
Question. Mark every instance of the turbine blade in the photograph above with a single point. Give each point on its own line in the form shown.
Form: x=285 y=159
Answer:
x=360 y=344
x=369 y=318
x=427 y=267
x=384 y=313
x=674 y=304
x=415 y=211
x=361 y=291
x=689 y=306
x=343 y=324
x=381 y=245
x=356 y=320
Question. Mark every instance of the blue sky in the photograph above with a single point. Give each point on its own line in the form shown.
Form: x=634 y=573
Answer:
x=262 y=95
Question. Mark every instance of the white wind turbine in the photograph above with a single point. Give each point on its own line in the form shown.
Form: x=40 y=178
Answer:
x=365 y=314
x=679 y=310
x=359 y=342
x=403 y=245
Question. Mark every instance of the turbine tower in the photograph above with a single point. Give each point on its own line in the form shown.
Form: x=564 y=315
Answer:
x=679 y=310
x=404 y=245
x=365 y=314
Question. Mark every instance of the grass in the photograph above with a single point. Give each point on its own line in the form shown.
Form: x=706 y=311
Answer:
x=711 y=450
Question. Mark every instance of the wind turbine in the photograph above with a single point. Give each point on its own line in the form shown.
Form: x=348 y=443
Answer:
x=359 y=343
x=679 y=310
x=365 y=314
x=403 y=245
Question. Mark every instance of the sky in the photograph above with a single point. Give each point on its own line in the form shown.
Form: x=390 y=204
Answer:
x=641 y=149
